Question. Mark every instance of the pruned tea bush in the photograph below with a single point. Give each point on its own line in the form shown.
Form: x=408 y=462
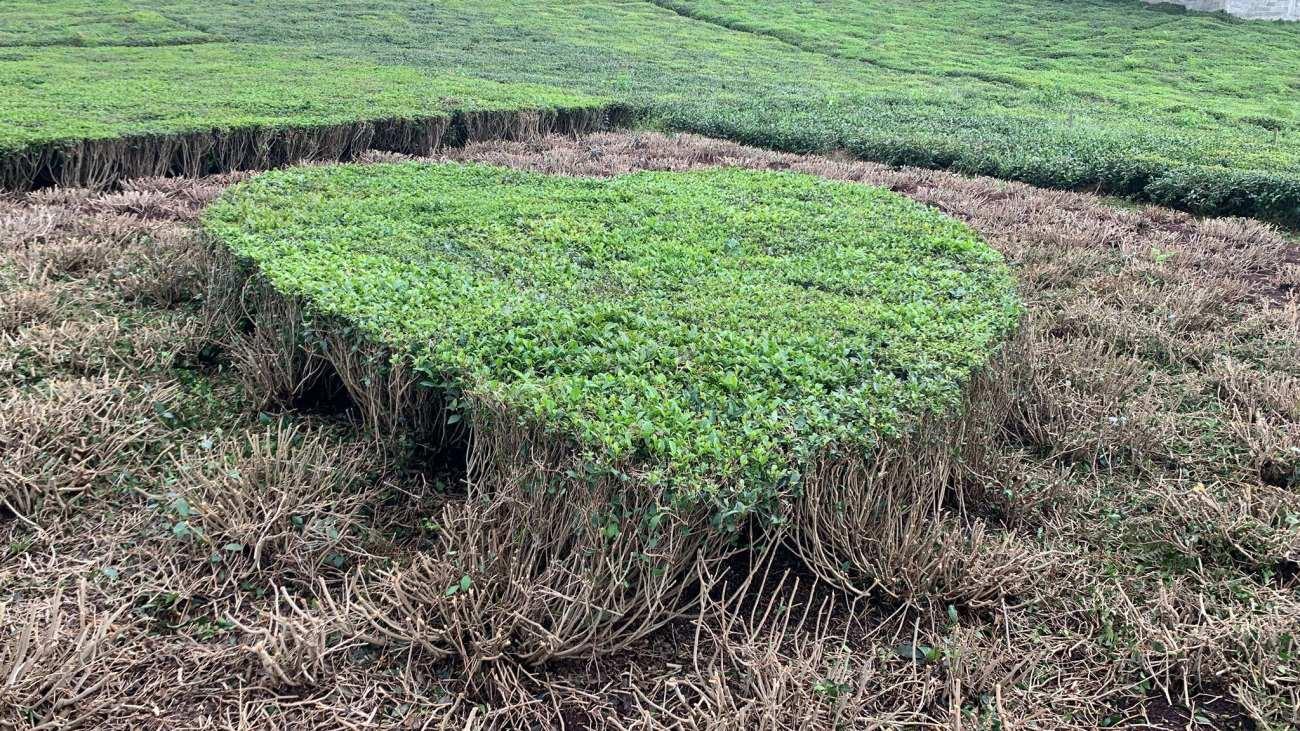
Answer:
x=705 y=335
x=194 y=109
x=1192 y=111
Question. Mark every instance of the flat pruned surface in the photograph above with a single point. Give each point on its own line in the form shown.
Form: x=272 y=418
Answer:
x=215 y=563
x=707 y=332
x=1196 y=111
x=93 y=23
x=127 y=91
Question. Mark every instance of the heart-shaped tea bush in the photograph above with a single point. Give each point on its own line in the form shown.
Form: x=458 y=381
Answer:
x=704 y=336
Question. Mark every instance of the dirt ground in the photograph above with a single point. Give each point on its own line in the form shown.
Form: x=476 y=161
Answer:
x=177 y=553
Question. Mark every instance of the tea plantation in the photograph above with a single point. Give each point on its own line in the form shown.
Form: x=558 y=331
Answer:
x=1190 y=110
x=706 y=333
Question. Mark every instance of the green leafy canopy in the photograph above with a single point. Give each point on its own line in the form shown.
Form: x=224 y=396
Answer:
x=707 y=332
x=1190 y=110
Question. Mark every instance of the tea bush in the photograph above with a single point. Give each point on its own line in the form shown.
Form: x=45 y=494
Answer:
x=223 y=94
x=704 y=333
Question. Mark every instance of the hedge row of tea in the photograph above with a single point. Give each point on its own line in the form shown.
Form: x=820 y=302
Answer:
x=103 y=93
x=1089 y=93
x=1190 y=110
x=705 y=333
x=92 y=23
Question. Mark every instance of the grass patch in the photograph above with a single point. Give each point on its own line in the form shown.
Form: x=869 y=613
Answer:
x=709 y=333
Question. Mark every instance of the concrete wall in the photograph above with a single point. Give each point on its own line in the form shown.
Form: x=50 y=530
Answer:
x=1254 y=9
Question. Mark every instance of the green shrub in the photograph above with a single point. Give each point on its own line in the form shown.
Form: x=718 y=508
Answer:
x=703 y=333
x=91 y=23
x=83 y=116
x=1222 y=191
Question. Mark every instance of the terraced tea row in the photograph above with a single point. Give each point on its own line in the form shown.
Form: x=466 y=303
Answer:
x=1186 y=110
x=709 y=335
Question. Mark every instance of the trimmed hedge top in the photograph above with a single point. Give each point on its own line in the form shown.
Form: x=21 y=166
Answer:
x=705 y=332
x=57 y=96
x=1192 y=111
